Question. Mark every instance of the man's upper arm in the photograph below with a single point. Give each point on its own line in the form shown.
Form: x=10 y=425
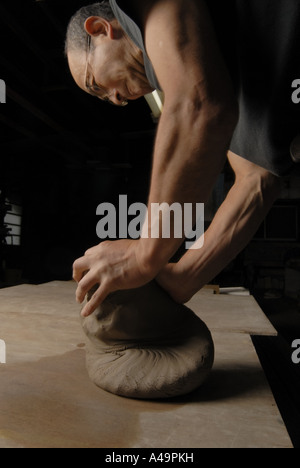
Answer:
x=182 y=46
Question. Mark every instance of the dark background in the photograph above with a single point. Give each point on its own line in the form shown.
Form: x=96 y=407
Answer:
x=62 y=153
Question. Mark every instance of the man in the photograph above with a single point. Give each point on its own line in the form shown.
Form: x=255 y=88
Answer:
x=121 y=50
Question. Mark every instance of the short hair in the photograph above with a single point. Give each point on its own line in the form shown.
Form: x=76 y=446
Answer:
x=76 y=34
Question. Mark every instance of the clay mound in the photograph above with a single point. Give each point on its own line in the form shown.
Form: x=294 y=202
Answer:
x=141 y=344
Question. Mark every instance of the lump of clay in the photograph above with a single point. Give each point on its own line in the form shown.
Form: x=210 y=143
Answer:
x=141 y=344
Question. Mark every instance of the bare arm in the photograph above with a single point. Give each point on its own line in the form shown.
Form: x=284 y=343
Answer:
x=234 y=225
x=198 y=120
x=199 y=112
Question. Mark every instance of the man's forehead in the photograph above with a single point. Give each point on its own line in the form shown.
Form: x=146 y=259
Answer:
x=77 y=63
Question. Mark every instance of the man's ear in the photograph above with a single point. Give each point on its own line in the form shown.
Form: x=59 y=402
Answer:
x=95 y=25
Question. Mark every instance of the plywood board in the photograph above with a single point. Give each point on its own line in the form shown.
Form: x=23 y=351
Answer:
x=47 y=400
x=239 y=314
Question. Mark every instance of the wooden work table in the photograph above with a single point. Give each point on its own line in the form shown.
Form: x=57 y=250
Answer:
x=47 y=400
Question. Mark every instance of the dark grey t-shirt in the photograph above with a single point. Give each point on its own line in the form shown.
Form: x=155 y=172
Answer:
x=260 y=41
x=268 y=58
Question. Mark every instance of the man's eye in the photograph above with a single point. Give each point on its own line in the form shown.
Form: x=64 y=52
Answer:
x=96 y=87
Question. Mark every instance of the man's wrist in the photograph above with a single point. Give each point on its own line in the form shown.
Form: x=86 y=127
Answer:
x=152 y=256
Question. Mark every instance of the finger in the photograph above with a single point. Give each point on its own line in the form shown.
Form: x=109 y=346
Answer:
x=80 y=266
x=98 y=250
x=97 y=299
x=85 y=285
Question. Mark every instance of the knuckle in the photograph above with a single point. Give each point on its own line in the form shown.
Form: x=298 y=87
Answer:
x=78 y=264
x=104 y=246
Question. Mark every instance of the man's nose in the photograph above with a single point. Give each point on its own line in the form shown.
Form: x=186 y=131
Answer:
x=117 y=99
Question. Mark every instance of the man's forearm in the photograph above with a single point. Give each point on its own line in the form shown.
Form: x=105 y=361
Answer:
x=233 y=227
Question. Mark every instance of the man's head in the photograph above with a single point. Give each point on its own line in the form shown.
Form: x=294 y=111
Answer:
x=102 y=59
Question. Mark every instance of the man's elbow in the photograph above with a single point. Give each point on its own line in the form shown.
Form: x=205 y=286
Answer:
x=265 y=187
x=271 y=187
